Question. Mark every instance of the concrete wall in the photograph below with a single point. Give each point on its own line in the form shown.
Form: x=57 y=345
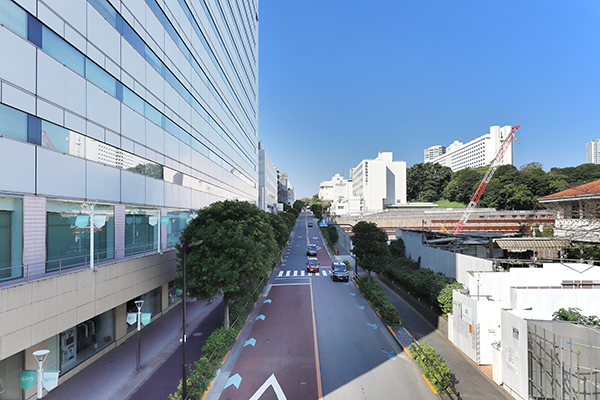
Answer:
x=32 y=312
x=514 y=353
x=453 y=265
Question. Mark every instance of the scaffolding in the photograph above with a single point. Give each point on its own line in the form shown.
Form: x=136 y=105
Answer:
x=564 y=363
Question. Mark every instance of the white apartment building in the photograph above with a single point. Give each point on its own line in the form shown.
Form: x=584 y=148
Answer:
x=433 y=152
x=373 y=186
x=478 y=152
x=593 y=152
x=380 y=182
x=267 y=181
x=126 y=115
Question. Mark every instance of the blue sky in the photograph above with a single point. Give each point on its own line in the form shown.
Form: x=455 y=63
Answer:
x=340 y=81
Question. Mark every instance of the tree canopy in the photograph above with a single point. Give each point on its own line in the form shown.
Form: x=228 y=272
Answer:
x=370 y=246
x=509 y=189
x=240 y=243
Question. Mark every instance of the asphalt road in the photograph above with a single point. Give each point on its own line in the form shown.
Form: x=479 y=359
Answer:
x=354 y=354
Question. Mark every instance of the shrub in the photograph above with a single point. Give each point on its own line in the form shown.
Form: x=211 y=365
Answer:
x=372 y=292
x=445 y=296
x=432 y=366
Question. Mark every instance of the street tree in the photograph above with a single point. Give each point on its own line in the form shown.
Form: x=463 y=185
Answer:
x=370 y=247
x=238 y=246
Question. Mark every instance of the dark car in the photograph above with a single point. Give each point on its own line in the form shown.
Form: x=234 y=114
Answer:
x=339 y=272
x=311 y=250
x=312 y=265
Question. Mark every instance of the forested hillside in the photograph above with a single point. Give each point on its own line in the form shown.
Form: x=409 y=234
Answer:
x=509 y=189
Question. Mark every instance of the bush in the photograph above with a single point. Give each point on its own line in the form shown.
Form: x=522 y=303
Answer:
x=217 y=345
x=423 y=282
x=372 y=292
x=433 y=367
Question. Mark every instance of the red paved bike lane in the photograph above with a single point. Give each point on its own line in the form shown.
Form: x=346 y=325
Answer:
x=282 y=363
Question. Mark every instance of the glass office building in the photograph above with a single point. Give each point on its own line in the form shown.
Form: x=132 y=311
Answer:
x=118 y=121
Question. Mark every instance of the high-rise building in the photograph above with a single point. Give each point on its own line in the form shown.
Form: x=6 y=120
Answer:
x=433 y=152
x=478 y=152
x=593 y=152
x=127 y=117
x=267 y=181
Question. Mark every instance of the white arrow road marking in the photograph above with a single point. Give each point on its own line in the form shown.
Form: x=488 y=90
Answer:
x=272 y=381
x=267 y=301
x=251 y=342
x=260 y=317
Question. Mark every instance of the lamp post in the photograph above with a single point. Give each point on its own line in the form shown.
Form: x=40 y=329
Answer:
x=139 y=304
x=40 y=357
x=184 y=340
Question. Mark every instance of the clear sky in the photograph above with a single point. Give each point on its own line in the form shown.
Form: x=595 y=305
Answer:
x=341 y=80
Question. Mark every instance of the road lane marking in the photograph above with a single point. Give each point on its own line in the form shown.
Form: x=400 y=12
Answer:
x=272 y=382
x=235 y=380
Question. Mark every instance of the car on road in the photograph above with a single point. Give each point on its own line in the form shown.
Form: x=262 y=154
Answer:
x=311 y=250
x=310 y=224
x=339 y=272
x=312 y=265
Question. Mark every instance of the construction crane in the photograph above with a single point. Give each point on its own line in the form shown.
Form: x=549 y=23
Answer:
x=486 y=179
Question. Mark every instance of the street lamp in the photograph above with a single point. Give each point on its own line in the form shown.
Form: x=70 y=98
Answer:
x=40 y=357
x=184 y=340
x=139 y=304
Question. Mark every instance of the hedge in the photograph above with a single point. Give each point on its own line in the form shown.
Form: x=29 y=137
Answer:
x=433 y=367
x=372 y=291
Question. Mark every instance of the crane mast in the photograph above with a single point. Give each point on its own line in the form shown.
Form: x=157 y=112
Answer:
x=486 y=179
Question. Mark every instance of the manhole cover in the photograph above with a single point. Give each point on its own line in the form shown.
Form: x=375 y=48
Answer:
x=197 y=334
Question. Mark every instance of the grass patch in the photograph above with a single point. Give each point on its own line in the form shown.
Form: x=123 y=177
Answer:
x=450 y=204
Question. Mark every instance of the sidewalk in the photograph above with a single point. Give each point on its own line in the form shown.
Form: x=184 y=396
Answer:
x=114 y=375
x=472 y=383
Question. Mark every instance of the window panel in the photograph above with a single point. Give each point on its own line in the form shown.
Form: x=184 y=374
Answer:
x=58 y=48
x=100 y=78
x=13 y=17
x=68 y=238
x=14 y=123
x=141 y=230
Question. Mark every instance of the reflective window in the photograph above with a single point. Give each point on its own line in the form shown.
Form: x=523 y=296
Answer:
x=11 y=237
x=82 y=341
x=63 y=51
x=10 y=370
x=178 y=220
x=100 y=78
x=141 y=230
x=152 y=304
x=13 y=17
x=68 y=234
x=55 y=137
x=133 y=100
x=13 y=123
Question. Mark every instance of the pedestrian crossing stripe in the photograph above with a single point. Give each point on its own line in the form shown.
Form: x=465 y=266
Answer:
x=291 y=274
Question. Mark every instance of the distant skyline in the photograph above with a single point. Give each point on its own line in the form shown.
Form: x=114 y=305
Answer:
x=342 y=80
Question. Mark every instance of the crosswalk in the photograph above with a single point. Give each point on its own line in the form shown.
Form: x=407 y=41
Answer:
x=293 y=273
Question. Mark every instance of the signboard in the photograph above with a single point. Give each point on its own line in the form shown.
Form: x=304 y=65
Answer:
x=323 y=223
x=131 y=318
x=146 y=318
x=27 y=379
x=50 y=380
x=164 y=221
x=82 y=221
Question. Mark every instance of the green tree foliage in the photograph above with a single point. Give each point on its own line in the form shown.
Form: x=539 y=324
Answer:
x=463 y=184
x=238 y=246
x=282 y=227
x=370 y=247
x=574 y=176
x=426 y=181
x=397 y=248
x=298 y=205
x=582 y=252
x=573 y=314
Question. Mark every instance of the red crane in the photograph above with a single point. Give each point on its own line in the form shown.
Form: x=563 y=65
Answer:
x=486 y=179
